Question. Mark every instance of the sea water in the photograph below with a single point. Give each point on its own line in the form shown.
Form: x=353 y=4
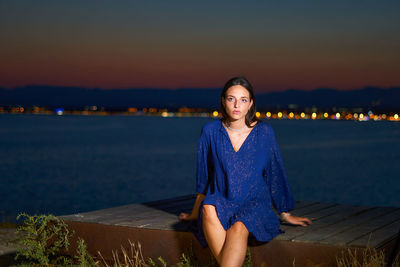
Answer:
x=68 y=164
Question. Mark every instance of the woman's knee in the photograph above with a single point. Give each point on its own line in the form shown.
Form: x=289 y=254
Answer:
x=209 y=213
x=239 y=228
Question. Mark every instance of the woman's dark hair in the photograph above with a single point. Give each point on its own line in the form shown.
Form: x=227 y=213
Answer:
x=242 y=81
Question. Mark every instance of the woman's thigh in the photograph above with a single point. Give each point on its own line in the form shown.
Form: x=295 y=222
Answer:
x=209 y=214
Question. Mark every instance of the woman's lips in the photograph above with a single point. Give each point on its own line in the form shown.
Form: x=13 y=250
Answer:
x=236 y=112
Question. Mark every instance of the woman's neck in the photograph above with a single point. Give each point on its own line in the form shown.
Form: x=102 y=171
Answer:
x=236 y=124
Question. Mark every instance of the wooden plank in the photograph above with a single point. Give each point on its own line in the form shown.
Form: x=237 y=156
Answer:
x=344 y=212
x=110 y=211
x=352 y=223
x=150 y=223
x=131 y=223
x=333 y=214
x=298 y=204
x=335 y=224
x=174 y=205
x=138 y=211
x=169 y=205
x=131 y=211
x=160 y=224
x=169 y=223
x=143 y=217
x=189 y=199
x=315 y=208
x=132 y=219
x=304 y=211
x=169 y=200
x=379 y=237
x=365 y=228
x=100 y=215
x=149 y=214
x=324 y=212
x=301 y=204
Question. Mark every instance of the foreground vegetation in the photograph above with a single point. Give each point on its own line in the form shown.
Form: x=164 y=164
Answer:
x=44 y=240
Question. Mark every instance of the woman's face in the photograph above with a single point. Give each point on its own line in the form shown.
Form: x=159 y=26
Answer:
x=237 y=102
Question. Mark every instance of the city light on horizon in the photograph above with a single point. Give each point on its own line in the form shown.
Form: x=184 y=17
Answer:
x=192 y=112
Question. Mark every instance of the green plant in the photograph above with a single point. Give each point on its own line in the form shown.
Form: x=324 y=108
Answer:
x=160 y=259
x=247 y=260
x=43 y=239
x=83 y=258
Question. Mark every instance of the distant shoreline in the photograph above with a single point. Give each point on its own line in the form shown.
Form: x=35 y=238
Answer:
x=344 y=114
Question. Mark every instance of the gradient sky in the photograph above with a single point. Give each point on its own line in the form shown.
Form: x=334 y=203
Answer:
x=174 y=44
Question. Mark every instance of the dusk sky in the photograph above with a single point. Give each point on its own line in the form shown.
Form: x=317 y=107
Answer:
x=175 y=44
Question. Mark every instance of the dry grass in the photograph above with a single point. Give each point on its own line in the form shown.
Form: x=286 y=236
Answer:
x=131 y=258
x=134 y=258
x=369 y=257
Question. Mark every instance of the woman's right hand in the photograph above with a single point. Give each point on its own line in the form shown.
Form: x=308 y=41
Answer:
x=194 y=215
x=187 y=217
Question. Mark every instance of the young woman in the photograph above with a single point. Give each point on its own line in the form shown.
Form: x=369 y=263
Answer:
x=240 y=176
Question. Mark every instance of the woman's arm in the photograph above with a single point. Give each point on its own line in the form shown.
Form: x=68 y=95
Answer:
x=195 y=210
x=287 y=217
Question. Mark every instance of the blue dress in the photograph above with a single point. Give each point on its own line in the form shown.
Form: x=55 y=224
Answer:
x=242 y=185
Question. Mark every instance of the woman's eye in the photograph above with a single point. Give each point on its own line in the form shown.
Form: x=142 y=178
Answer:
x=244 y=100
x=230 y=99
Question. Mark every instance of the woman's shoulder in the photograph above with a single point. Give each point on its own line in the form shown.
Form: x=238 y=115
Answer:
x=209 y=130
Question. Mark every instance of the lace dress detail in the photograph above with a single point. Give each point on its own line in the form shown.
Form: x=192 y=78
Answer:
x=242 y=185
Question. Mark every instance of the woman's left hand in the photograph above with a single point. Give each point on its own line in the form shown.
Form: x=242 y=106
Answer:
x=295 y=220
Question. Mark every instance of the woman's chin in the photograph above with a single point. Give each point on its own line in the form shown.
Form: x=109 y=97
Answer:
x=236 y=117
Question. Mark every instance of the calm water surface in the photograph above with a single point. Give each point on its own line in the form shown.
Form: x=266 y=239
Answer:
x=68 y=164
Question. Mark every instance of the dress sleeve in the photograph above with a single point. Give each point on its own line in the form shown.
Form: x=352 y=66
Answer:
x=202 y=164
x=280 y=191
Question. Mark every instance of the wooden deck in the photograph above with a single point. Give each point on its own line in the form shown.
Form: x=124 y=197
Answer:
x=335 y=227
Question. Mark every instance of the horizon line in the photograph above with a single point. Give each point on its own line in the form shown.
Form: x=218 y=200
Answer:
x=197 y=88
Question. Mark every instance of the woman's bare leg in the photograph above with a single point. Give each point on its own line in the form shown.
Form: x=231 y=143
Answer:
x=228 y=247
x=235 y=247
x=213 y=231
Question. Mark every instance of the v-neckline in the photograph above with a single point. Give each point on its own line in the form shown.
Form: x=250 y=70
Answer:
x=230 y=141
